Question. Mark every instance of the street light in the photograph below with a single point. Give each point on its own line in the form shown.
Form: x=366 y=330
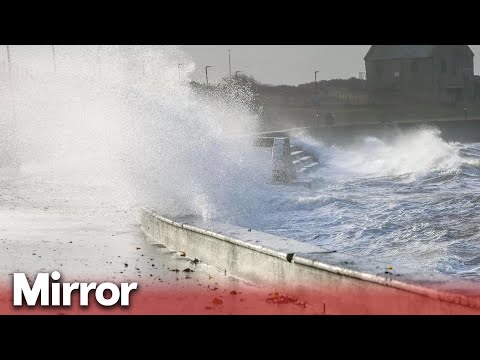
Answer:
x=229 y=65
x=9 y=59
x=316 y=91
x=99 y=48
x=54 y=60
x=206 y=72
x=179 y=64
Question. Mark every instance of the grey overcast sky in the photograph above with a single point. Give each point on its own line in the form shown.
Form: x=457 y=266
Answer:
x=271 y=64
x=285 y=64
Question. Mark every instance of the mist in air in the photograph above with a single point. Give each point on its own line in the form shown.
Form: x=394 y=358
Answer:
x=126 y=120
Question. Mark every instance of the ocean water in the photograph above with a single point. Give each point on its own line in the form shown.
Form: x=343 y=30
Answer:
x=411 y=198
x=124 y=121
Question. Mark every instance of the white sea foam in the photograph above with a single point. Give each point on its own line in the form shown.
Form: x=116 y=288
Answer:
x=415 y=152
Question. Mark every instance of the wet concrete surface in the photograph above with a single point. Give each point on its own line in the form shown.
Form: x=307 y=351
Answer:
x=46 y=226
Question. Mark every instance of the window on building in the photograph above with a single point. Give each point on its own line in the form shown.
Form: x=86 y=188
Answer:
x=414 y=67
x=396 y=74
x=443 y=66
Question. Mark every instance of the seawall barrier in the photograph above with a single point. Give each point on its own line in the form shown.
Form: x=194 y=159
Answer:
x=342 y=283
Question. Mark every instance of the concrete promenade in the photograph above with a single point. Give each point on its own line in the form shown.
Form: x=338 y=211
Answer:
x=73 y=229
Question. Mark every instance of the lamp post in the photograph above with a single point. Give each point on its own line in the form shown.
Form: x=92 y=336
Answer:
x=229 y=65
x=316 y=91
x=54 y=60
x=99 y=48
x=9 y=59
x=9 y=65
x=179 y=64
x=206 y=72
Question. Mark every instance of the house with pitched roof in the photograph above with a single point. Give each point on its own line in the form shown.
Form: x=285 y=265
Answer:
x=420 y=73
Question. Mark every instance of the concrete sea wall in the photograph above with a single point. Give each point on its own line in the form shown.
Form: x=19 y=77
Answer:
x=342 y=283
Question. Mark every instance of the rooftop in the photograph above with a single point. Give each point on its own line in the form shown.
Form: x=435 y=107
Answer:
x=382 y=52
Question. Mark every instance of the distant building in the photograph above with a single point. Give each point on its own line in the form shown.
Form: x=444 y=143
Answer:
x=420 y=73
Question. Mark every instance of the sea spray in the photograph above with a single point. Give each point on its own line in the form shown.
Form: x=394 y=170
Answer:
x=408 y=198
x=133 y=125
x=415 y=152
